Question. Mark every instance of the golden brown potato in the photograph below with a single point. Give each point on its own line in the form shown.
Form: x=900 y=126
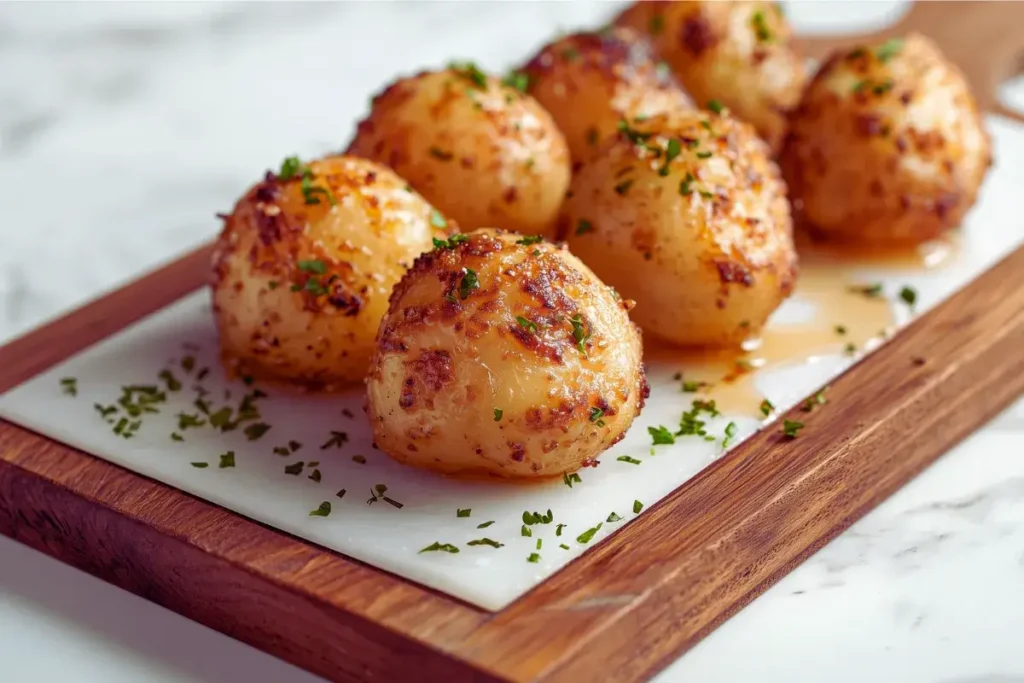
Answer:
x=887 y=146
x=591 y=81
x=304 y=266
x=738 y=53
x=688 y=216
x=503 y=356
x=483 y=152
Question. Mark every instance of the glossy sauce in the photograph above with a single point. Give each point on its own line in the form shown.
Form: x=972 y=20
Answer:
x=845 y=321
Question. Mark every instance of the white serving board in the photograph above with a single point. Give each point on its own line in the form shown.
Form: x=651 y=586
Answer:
x=389 y=537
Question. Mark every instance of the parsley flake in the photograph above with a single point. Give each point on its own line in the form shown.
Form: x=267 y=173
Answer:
x=463 y=512
x=527 y=324
x=637 y=507
x=486 y=541
x=629 y=459
x=595 y=416
x=534 y=557
x=767 y=408
x=497 y=414
x=69 y=386
x=661 y=435
x=587 y=535
x=584 y=226
x=570 y=479
x=613 y=518
x=440 y=547
x=323 y=510
x=469 y=283
x=790 y=428
x=484 y=525
x=909 y=296
x=531 y=239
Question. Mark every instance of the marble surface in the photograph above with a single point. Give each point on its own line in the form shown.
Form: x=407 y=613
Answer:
x=124 y=127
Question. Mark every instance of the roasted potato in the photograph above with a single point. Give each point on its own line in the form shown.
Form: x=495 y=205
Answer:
x=887 y=146
x=740 y=54
x=503 y=356
x=687 y=215
x=305 y=263
x=590 y=81
x=481 y=151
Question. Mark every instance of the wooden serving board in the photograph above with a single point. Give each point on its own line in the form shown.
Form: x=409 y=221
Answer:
x=673 y=574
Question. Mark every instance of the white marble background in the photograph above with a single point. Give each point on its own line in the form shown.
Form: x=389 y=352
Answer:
x=125 y=126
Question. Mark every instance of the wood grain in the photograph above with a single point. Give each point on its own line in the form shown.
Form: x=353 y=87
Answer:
x=627 y=607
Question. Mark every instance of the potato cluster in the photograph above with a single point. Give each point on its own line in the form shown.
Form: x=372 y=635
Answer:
x=420 y=261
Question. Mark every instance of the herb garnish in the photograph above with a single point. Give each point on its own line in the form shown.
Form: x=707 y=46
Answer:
x=313 y=266
x=470 y=72
x=595 y=416
x=767 y=408
x=587 y=535
x=69 y=386
x=531 y=239
x=715 y=106
x=579 y=333
x=452 y=242
x=534 y=557
x=497 y=414
x=517 y=80
x=629 y=459
x=295 y=468
x=570 y=479
x=337 y=439
x=484 y=525
x=563 y=546
x=170 y=380
x=622 y=188
x=889 y=49
x=200 y=465
x=871 y=291
x=377 y=493
x=437 y=219
x=817 y=400
x=255 y=431
x=840 y=330
x=341 y=493
x=584 y=226
x=486 y=541
x=703 y=155
x=790 y=428
x=672 y=150
x=442 y=547
x=637 y=507
x=849 y=349
x=227 y=459
x=525 y=531
x=315 y=476
x=527 y=324
x=613 y=518
x=909 y=296
x=530 y=518
x=636 y=137
x=175 y=436
x=760 y=26
x=322 y=511
x=730 y=433
x=686 y=184
x=558 y=529
x=460 y=512
x=661 y=435
x=469 y=283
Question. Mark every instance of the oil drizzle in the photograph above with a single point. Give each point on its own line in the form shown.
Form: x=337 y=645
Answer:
x=847 y=318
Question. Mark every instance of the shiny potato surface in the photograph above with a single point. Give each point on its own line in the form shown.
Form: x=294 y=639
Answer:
x=305 y=263
x=688 y=216
x=591 y=81
x=887 y=146
x=503 y=356
x=481 y=151
x=738 y=53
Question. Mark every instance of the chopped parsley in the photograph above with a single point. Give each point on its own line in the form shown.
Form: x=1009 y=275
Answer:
x=256 y=430
x=629 y=459
x=526 y=531
x=200 y=465
x=534 y=557
x=531 y=239
x=686 y=184
x=613 y=518
x=441 y=154
x=767 y=408
x=558 y=529
x=570 y=479
x=440 y=547
x=889 y=49
x=587 y=535
x=377 y=493
x=170 y=380
x=909 y=296
x=730 y=434
x=295 y=468
x=584 y=226
x=527 y=324
x=486 y=541
x=484 y=525
x=337 y=440
x=595 y=416
x=672 y=150
x=870 y=291
x=817 y=400
x=636 y=137
x=469 y=283
x=715 y=106
x=315 y=476
x=471 y=72
x=175 y=436
x=623 y=187
x=530 y=518
x=463 y=512
x=341 y=493
x=323 y=510
x=69 y=386
x=850 y=349
x=313 y=266
x=452 y=242
x=637 y=507
x=703 y=155
x=188 y=363
x=661 y=435
x=517 y=80
x=579 y=333
x=497 y=414
x=790 y=428
x=760 y=26
x=227 y=459
x=540 y=543
x=840 y=330
x=693 y=387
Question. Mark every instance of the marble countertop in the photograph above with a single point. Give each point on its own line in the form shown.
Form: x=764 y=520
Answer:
x=124 y=127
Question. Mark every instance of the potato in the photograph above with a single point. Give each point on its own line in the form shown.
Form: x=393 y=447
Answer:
x=304 y=266
x=591 y=81
x=503 y=356
x=687 y=215
x=887 y=146
x=740 y=54
x=482 y=152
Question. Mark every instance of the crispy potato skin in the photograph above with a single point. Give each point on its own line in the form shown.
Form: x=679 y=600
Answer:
x=445 y=363
x=590 y=81
x=885 y=151
x=739 y=53
x=322 y=334
x=482 y=152
x=703 y=243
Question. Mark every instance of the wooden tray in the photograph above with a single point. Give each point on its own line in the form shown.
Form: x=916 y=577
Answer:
x=627 y=607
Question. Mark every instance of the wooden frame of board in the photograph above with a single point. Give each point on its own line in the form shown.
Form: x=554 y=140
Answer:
x=629 y=605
